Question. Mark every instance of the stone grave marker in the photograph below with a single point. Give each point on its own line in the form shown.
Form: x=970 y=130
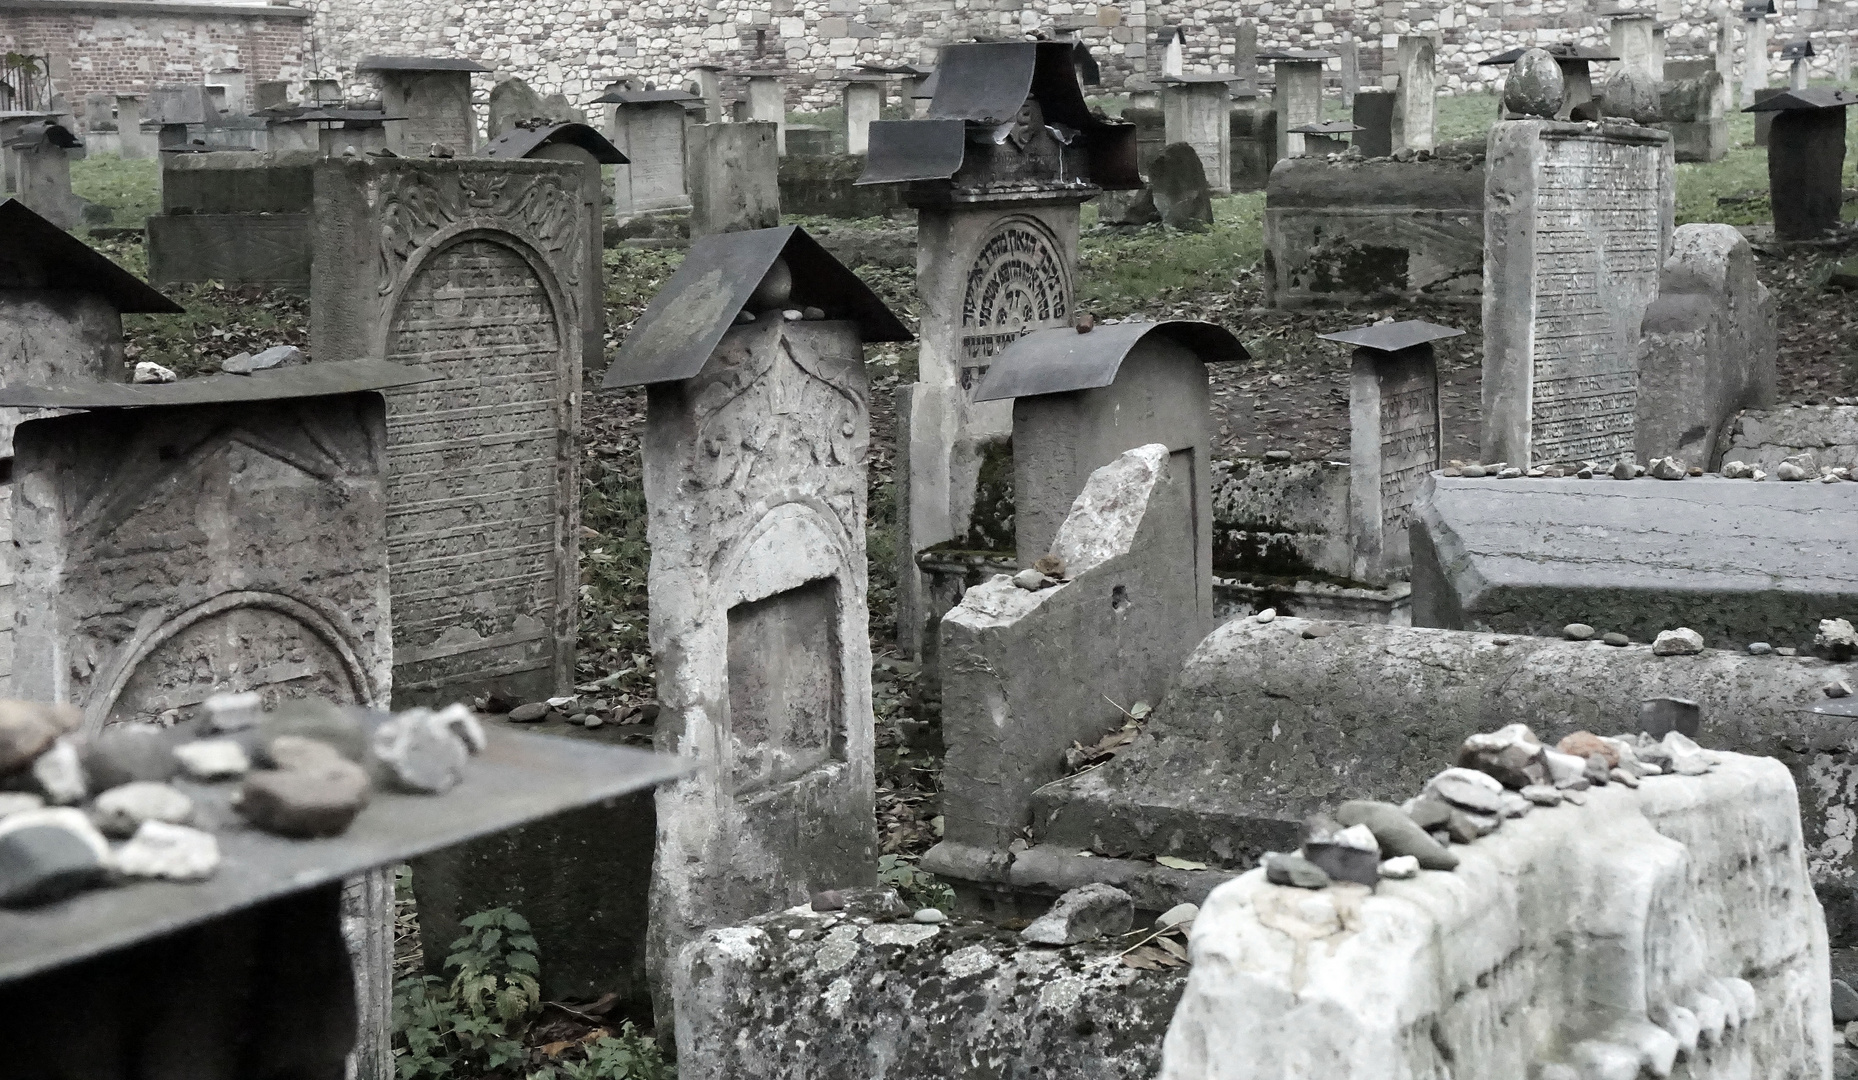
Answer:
x=1755 y=48
x=1179 y=188
x=1415 y=110
x=997 y=226
x=1374 y=121
x=1577 y=223
x=709 y=87
x=1350 y=51
x=1690 y=107
x=767 y=102
x=236 y=217
x=1797 y=53
x=474 y=268
x=134 y=145
x=648 y=127
x=1394 y=438
x=1806 y=158
x=433 y=93
x=808 y=140
x=734 y=178
x=1298 y=97
x=512 y=100
x=271 y=94
x=40 y=156
x=755 y=455
x=863 y=99
x=1197 y=110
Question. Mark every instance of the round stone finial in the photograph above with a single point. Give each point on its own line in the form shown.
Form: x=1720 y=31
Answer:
x=1535 y=86
x=776 y=288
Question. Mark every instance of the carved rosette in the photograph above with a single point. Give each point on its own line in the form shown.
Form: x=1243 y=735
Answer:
x=1017 y=282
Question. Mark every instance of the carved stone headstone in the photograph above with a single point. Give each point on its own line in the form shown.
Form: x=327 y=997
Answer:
x=434 y=94
x=864 y=102
x=734 y=177
x=474 y=268
x=511 y=102
x=1416 y=95
x=767 y=102
x=1298 y=97
x=1197 y=110
x=1394 y=439
x=1577 y=222
x=755 y=445
x=649 y=128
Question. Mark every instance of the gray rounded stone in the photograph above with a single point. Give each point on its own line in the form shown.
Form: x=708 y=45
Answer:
x=1280 y=869
x=1535 y=85
x=1632 y=96
x=930 y=916
x=1577 y=631
x=1397 y=833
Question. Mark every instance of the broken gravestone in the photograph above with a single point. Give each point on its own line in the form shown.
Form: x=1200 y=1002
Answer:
x=1177 y=181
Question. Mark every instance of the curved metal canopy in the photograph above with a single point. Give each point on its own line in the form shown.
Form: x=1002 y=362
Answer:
x=1060 y=359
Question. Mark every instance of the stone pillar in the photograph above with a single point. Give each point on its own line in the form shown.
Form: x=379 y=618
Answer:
x=1351 y=70
x=734 y=176
x=1842 y=63
x=1199 y=113
x=1797 y=73
x=135 y=145
x=368 y=931
x=42 y=180
x=1754 y=58
x=767 y=102
x=1245 y=53
x=1298 y=99
x=474 y=268
x=1416 y=96
x=1374 y=115
x=1806 y=158
x=709 y=79
x=864 y=102
x=1394 y=439
x=1725 y=56
x=759 y=626
x=1577 y=224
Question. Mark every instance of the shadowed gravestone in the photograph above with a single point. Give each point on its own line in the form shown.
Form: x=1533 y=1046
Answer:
x=1178 y=183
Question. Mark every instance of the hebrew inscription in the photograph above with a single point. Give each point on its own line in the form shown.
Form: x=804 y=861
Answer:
x=1597 y=256
x=1017 y=283
x=1409 y=436
x=475 y=489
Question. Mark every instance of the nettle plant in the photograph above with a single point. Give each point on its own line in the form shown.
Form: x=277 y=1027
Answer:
x=474 y=1022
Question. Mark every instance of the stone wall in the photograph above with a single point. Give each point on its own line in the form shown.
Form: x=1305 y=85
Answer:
x=132 y=45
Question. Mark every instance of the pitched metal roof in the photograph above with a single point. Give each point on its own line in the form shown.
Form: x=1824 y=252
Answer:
x=1393 y=336
x=619 y=95
x=689 y=316
x=40 y=255
x=519 y=142
x=1060 y=359
x=419 y=63
x=1813 y=97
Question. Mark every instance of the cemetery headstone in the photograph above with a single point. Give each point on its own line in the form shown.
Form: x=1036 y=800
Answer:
x=271 y=94
x=758 y=576
x=1350 y=51
x=997 y=227
x=1691 y=109
x=474 y=268
x=1797 y=54
x=734 y=178
x=1755 y=48
x=512 y=101
x=648 y=127
x=1197 y=110
x=1394 y=438
x=1764 y=118
x=234 y=216
x=808 y=140
x=1245 y=53
x=1806 y=158
x=1577 y=223
x=40 y=156
x=228 y=88
x=134 y=144
x=434 y=95
x=767 y=102
x=1298 y=96
x=1178 y=185
x=1374 y=121
x=863 y=100
x=1415 y=110
x=709 y=83
x=1171 y=44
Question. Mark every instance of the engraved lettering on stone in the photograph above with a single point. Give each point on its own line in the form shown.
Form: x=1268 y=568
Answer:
x=1409 y=438
x=241 y=649
x=1017 y=283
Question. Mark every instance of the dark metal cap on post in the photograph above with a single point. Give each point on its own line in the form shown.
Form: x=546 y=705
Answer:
x=1061 y=359
x=1560 y=51
x=1392 y=337
x=689 y=316
x=40 y=255
x=1797 y=50
x=619 y=95
x=420 y=63
x=519 y=142
x=1813 y=97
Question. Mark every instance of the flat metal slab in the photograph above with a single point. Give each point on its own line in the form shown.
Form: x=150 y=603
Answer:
x=1328 y=127
x=348 y=116
x=1200 y=77
x=689 y=316
x=518 y=778
x=1060 y=359
x=1813 y=97
x=1296 y=55
x=39 y=255
x=1560 y=51
x=1394 y=336
x=419 y=63
x=277 y=384
x=520 y=142
x=902 y=150
x=622 y=96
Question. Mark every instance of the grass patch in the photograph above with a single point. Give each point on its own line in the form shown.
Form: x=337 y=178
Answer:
x=1121 y=273
x=130 y=188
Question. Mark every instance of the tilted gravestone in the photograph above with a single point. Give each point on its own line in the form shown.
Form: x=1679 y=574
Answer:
x=512 y=101
x=1394 y=438
x=757 y=430
x=1183 y=197
x=433 y=94
x=1577 y=223
x=474 y=268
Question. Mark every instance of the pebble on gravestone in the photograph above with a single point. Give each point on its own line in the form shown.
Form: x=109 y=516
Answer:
x=1616 y=639
x=147 y=371
x=1400 y=868
x=315 y=791
x=1282 y=869
x=1682 y=641
x=1083 y=914
x=275 y=356
x=419 y=752
x=529 y=713
x=129 y=752
x=59 y=773
x=213 y=759
x=1396 y=832
x=18 y=802
x=1467 y=789
x=1844 y=1002
x=120 y=811
x=160 y=849
x=1668 y=468
x=48 y=854
x=1836 y=639
x=27 y=729
x=232 y=712
x=1577 y=632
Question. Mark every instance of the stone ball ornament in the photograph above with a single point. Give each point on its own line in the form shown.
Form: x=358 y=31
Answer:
x=1535 y=86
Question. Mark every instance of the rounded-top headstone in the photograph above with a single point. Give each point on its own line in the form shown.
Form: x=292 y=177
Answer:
x=1177 y=180
x=1535 y=86
x=1632 y=95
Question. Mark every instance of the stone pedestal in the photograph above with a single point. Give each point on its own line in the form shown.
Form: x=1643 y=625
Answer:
x=1298 y=100
x=1577 y=223
x=864 y=102
x=734 y=177
x=767 y=102
x=1806 y=158
x=1198 y=112
x=1416 y=96
x=1394 y=437
x=474 y=268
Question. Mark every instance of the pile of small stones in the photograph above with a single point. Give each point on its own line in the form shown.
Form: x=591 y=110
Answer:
x=303 y=771
x=1796 y=468
x=1500 y=775
x=579 y=712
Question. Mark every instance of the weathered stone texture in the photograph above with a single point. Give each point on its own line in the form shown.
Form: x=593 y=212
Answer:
x=1511 y=964
x=1768 y=437
x=825 y=186
x=835 y=996
x=1346 y=232
x=1393 y=405
x=1735 y=560
x=652 y=136
x=734 y=176
x=1281 y=520
x=474 y=268
x=161 y=556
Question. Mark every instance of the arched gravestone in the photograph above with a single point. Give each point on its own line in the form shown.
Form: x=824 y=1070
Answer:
x=1019 y=280
x=473 y=269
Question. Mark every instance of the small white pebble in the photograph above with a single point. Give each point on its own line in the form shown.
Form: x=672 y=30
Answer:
x=1400 y=867
x=1266 y=615
x=930 y=916
x=213 y=759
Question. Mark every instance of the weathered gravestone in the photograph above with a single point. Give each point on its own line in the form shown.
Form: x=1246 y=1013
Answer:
x=1755 y=48
x=1573 y=62
x=1298 y=96
x=1577 y=224
x=1707 y=347
x=767 y=103
x=757 y=430
x=997 y=227
x=474 y=268
x=808 y=140
x=40 y=160
x=863 y=100
x=235 y=217
x=1765 y=438
x=1796 y=54
x=1197 y=111
x=512 y=101
x=1415 y=111
x=433 y=94
x=1178 y=184
x=734 y=173
x=1690 y=105
x=648 y=127
x=1806 y=158
x=1394 y=437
